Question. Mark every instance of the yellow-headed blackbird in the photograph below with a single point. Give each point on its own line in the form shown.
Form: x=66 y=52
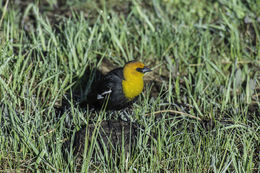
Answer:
x=119 y=88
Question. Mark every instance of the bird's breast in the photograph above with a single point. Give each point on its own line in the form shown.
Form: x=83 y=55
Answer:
x=132 y=88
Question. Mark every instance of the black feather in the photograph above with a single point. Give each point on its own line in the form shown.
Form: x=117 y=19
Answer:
x=116 y=99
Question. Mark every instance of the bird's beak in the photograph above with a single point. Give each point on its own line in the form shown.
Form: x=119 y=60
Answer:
x=143 y=70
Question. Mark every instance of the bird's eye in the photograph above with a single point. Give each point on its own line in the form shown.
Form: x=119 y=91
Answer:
x=143 y=70
x=139 y=69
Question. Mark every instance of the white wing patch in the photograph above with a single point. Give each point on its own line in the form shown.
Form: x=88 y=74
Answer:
x=101 y=96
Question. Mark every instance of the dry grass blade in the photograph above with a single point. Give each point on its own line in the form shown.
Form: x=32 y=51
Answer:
x=175 y=112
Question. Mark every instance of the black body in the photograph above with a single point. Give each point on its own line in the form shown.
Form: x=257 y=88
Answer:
x=116 y=99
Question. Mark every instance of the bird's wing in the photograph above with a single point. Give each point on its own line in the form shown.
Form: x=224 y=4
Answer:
x=103 y=94
x=109 y=82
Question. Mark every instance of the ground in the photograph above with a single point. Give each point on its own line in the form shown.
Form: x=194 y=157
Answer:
x=199 y=111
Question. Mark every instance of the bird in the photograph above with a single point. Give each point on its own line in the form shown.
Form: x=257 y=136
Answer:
x=119 y=88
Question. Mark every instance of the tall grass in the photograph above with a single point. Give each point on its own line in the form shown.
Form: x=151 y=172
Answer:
x=205 y=61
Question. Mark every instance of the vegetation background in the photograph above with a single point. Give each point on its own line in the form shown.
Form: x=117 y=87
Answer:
x=202 y=98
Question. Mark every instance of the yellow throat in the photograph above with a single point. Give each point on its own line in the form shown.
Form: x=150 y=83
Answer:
x=133 y=84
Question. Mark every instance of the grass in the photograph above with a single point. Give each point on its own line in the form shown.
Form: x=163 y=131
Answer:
x=205 y=57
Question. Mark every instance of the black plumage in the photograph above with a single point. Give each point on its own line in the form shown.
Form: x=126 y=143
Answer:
x=109 y=92
x=115 y=99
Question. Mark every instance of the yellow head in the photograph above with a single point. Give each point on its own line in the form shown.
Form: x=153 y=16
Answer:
x=133 y=79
